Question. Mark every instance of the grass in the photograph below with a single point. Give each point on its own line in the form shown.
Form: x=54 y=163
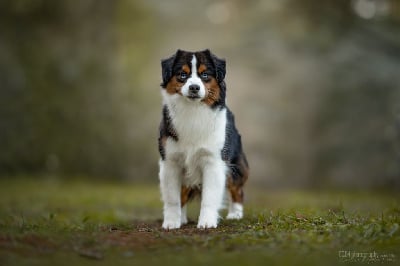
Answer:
x=50 y=222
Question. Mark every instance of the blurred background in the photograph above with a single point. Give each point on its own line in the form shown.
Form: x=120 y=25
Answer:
x=314 y=85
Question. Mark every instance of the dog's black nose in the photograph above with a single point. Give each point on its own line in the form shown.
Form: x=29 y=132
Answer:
x=194 y=88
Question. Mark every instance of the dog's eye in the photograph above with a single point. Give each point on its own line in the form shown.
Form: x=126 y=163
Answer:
x=183 y=75
x=204 y=75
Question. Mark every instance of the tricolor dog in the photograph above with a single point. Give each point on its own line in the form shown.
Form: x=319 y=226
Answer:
x=200 y=147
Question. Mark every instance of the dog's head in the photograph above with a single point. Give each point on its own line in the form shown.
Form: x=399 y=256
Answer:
x=197 y=76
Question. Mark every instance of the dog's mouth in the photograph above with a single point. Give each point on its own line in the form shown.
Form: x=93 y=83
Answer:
x=193 y=97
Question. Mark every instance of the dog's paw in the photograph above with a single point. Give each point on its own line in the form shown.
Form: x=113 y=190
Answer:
x=234 y=216
x=207 y=220
x=207 y=224
x=171 y=224
x=235 y=211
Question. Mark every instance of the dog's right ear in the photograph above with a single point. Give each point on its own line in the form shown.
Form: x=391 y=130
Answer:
x=166 y=69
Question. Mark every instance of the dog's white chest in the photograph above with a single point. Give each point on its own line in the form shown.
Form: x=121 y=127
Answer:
x=201 y=137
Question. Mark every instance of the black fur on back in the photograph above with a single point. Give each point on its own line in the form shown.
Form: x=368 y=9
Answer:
x=232 y=152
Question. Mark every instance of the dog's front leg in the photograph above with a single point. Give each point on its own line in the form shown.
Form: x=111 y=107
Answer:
x=170 y=184
x=212 y=193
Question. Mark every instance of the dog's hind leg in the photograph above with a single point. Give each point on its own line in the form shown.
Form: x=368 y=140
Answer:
x=185 y=196
x=235 y=210
x=235 y=182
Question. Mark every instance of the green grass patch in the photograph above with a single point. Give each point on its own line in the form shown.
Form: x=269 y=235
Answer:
x=50 y=222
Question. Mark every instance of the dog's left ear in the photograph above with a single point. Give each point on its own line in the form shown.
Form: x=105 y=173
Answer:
x=220 y=66
x=166 y=69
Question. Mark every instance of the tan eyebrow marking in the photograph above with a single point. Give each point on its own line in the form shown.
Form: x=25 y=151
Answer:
x=186 y=68
x=202 y=68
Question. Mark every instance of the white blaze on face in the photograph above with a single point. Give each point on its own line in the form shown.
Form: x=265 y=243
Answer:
x=194 y=79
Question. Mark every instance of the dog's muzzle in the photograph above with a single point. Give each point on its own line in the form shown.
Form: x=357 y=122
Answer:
x=194 y=91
